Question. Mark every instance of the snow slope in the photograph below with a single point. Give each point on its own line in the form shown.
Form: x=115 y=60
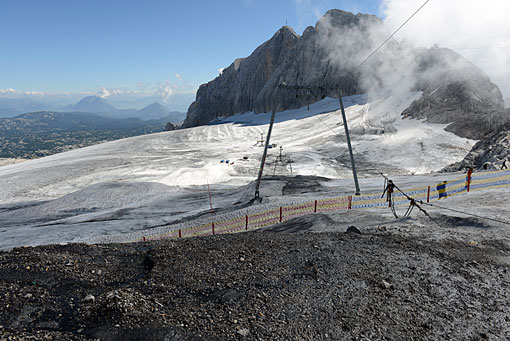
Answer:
x=132 y=184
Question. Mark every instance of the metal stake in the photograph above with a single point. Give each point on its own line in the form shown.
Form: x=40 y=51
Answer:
x=349 y=142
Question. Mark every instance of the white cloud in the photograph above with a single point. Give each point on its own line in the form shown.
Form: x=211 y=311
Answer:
x=178 y=76
x=480 y=32
x=104 y=92
x=8 y=91
x=165 y=90
x=34 y=93
x=141 y=85
x=17 y=93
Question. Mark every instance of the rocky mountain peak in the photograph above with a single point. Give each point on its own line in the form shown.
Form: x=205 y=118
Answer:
x=287 y=31
x=251 y=83
x=156 y=106
x=339 y=19
x=455 y=92
x=453 y=87
x=237 y=87
x=91 y=99
x=91 y=104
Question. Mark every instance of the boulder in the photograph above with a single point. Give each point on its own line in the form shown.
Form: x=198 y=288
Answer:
x=170 y=126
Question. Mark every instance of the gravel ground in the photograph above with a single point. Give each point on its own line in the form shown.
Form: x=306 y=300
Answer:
x=269 y=285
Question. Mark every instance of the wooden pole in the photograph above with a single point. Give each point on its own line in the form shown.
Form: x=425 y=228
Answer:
x=210 y=199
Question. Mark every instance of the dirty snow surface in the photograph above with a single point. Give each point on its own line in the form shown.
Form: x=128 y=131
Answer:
x=157 y=180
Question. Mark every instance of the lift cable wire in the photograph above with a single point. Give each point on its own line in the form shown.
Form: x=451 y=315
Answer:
x=447 y=208
x=327 y=126
x=361 y=64
x=388 y=39
x=470 y=214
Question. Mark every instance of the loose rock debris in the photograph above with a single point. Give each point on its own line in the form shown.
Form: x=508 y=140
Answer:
x=280 y=286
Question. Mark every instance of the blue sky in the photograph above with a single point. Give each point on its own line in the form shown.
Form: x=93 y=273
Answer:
x=83 y=46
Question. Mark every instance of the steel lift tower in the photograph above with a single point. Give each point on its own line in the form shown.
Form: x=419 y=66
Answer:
x=344 y=118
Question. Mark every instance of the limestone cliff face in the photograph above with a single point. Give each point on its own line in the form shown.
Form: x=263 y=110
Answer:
x=322 y=57
x=252 y=83
x=237 y=88
x=455 y=92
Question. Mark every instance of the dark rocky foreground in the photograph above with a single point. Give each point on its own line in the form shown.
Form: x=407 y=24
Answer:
x=264 y=286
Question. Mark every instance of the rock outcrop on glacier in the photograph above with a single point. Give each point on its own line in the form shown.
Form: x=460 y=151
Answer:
x=490 y=152
x=457 y=93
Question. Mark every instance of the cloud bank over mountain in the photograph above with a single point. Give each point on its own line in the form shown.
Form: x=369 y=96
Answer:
x=478 y=31
x=338 y=53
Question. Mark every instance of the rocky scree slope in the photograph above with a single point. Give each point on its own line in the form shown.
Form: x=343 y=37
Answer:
x=492 y=150
x=279 y=286
x=455 y=91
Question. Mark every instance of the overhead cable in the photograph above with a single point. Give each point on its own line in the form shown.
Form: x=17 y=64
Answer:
x=469 y=214
x=388 y=39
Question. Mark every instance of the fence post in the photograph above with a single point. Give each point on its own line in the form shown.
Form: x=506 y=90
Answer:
x=428 y=194
x=281 y=214
x=315 y=207
x=350 y=202
x=469 y=178
x=212 y=228
x=246 y=222
x=180 y=234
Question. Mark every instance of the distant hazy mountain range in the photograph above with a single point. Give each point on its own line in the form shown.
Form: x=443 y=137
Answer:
x=92 y=120
x=93 y=104
x=44 y=133
x=11 y=107
x=50 y=121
